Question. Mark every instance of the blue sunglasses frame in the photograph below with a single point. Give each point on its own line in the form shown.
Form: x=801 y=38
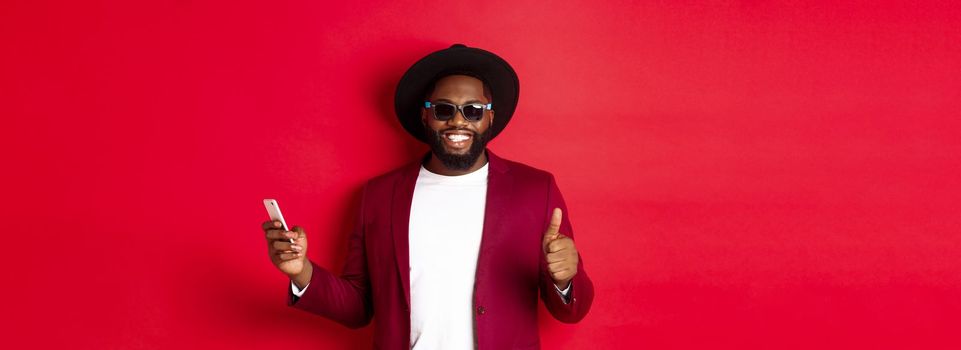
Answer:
x=459 y=108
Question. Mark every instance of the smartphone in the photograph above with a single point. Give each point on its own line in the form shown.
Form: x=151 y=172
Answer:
x=274 y=211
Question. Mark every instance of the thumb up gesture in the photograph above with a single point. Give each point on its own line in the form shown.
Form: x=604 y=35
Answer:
x=560 y=252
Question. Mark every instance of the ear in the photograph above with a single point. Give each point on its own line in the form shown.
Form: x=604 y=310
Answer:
x=423 y=116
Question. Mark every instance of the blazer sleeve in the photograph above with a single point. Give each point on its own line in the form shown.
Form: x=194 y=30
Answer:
x=345 y=299
x=581 y=295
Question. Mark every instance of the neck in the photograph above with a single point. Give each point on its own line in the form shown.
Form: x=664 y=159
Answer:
x=435 y=166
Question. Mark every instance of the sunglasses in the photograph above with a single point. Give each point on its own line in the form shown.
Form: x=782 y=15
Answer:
x=444 y=111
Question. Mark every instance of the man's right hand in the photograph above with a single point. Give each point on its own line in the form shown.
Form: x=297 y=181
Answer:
x=289 y=258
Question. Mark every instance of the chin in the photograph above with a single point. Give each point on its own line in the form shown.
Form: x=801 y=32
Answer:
x=457 y=152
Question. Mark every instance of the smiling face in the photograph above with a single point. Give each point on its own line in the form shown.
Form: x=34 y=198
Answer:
x=457 y=144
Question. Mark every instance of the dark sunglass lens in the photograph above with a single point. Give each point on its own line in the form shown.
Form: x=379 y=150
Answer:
x=444 y=112
x=473 y=113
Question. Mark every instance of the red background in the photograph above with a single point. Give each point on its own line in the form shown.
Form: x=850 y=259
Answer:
x=740 y=174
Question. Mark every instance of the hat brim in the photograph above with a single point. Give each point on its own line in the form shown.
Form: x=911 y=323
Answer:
x=493 y=70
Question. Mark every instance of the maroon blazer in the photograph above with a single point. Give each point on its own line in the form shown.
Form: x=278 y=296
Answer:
x=511 y=267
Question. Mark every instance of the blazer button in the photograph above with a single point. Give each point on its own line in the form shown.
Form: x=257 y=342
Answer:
x=481 y=310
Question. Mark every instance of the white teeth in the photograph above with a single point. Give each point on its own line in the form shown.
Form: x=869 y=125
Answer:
x=457 y=138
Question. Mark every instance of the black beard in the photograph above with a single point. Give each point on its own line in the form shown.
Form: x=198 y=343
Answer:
x=457 y=161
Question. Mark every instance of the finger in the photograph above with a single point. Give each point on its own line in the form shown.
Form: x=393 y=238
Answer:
x=559 y=244
x=271 y=224
x=286 y=246
x=301 y=240
x=273 y=234
x=299 y=232
x=280 y=235
x=289 y=256
x=555 y=225
x=301 y=244
x=555 y=257
x=557 y=266
x=282 y=246
x=561 y=275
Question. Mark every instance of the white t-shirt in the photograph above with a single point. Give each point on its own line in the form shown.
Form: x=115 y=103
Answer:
x=446 y=224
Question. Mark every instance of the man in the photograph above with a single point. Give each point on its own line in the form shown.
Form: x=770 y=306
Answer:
x=449 y=252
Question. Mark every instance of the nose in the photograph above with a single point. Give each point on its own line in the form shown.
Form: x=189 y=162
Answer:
x=458 y=119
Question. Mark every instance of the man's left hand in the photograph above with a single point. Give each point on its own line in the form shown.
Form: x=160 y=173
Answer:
x=560 y=252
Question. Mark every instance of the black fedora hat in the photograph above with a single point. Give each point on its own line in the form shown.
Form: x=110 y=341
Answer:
x=457 y=59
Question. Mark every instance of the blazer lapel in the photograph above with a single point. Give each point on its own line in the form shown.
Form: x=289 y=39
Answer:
x=400 y=224
x=497 y=207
